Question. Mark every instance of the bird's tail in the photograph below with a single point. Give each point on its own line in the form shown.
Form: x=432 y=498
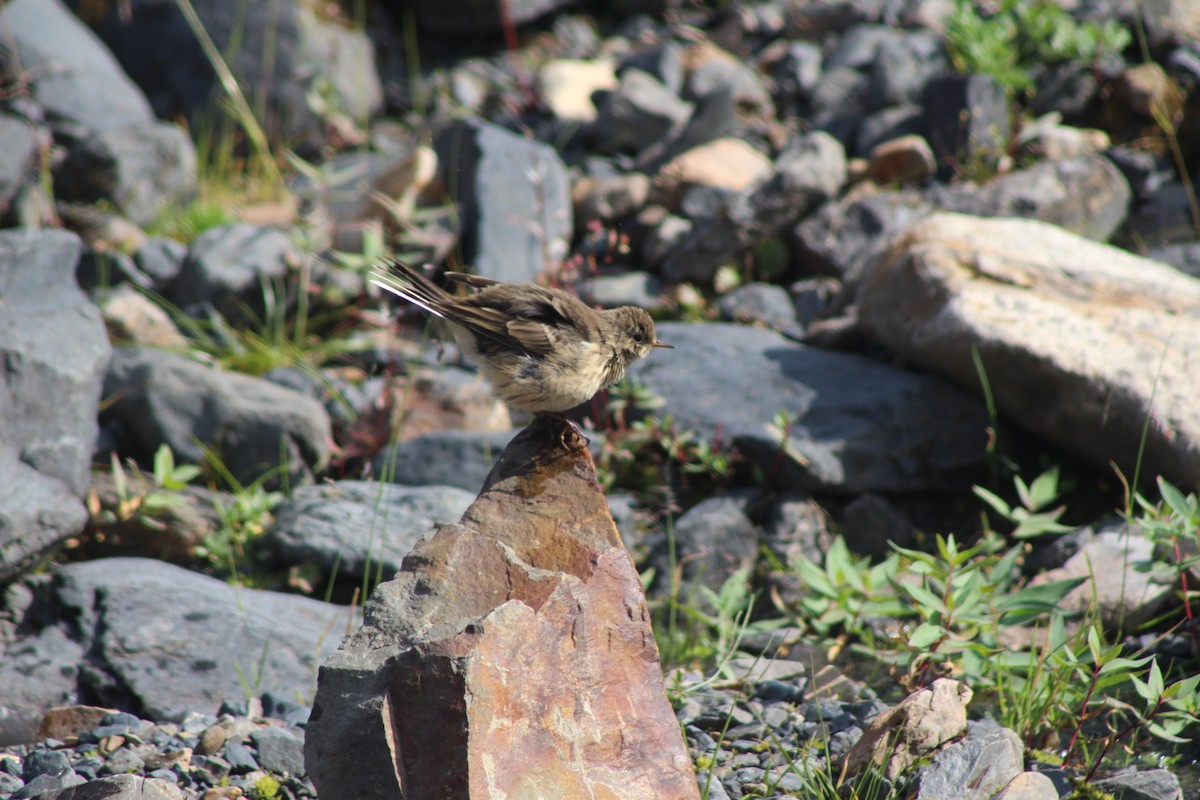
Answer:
x=406 y=282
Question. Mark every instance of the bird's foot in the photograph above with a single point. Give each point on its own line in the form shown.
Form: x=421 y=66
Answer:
x=572 y=437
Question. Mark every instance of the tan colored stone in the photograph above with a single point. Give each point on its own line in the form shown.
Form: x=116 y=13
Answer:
x=913 y=729
x=1082 y=343
x=512 y=656
x=905 y=159
x=727 y=163
x=1146 y=89
x=130 y=316
x=1029 y=786
x=567 y=85
x=67 y=722
x=212 y=739
x=393 y=196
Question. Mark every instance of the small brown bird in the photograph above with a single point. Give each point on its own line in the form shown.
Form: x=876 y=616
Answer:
x=543 y=350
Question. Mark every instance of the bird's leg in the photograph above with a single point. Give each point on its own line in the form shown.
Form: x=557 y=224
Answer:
x=573 y=438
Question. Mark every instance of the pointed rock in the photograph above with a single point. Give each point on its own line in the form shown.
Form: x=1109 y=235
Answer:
x=512 y=656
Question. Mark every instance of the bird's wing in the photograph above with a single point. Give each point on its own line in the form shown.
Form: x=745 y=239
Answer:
x=477 y=281
x=534 y=337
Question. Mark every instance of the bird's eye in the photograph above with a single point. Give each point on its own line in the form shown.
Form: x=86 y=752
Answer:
x=638 y=338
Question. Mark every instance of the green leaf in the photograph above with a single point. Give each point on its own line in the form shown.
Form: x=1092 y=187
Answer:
x=1002 y=508
x=1044 y=489
x=1184 y=507
x=164 y=463
x=924 y=635
x=1160 y=732
x=1155 y=681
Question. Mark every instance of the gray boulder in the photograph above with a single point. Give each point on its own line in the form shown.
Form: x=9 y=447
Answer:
x=18 y=152
x=355 y=528
x=37 y=512
x=308 y=53
x=856 y=424
x=493 y=173
x=254 y=426
x=161 y=641
x=234 y=268
x=53 y=344
x=976 y=767
x=442 y=458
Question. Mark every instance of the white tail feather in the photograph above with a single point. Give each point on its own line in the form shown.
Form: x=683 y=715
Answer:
x=401 y=289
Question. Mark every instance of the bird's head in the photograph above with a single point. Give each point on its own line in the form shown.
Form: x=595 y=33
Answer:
x=633 y=333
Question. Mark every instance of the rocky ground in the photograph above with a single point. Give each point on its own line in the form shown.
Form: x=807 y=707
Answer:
x=902 y=248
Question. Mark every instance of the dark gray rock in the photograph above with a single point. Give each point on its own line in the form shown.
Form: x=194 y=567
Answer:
x=870 y=523
x=9 y=783
x=902 y=66
x=1086 y=195
x=234 y=268
x=714 y=540
x=1184 y=257
x=356 y=528
x=887 y=124
x=279 y=751
x=74 y=77
x=806 y=174
x=309 y=52
x=1164 y=219
x=859 y=46
x=54 y=348
x=254 y=426
x=641 y=112
x=626 y=289
x=859 y=425
x=139 y=168
x=764 y=303
x=664 y=62
x=492 y=172
x=44 y=762
x=840 y=100
x=131 y=613
x=443 y=458
x=37 y=513
x=50 y=785
x=966 y=121
x=975 y=767
x=842 y=238
x=161 y=259
x=479 y=16
x=1151 y=784
x=240 y=759
x=18 y=153
x=736 y=78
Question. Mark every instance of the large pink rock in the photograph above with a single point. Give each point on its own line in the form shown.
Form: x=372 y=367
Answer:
x=511 y=657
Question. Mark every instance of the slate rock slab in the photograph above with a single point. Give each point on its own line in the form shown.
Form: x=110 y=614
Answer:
x=355 y=526
x=163 y=641
x=442 y=458
x=254 y=425
x=859 y=424
x=53 y=352
x=233 y=268
x=514 y=199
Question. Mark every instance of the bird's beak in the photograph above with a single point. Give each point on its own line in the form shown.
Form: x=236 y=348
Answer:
x=660 y=344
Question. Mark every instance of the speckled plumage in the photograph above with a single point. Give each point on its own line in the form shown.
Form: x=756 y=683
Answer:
x=543 y=350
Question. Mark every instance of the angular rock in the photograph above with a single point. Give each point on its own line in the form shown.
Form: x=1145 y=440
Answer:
x=442 y=458
x=567 y=85
x=254 y=426
x=53 y=350
x=18 y=151
x=807 y=174
x=640 y=113
x=967 y=121
x=440 y=692
x=141 y=169
x=130 y=316
x=491 y=172
x=975 y=767
x=279 y=751
x=234 y=268
x=1029 y=786
x=1087 y=195
x=1123 y=353
x=728 y=163
x=118 y=787
x=38 y=671
x=37 y=513
x=132 y=611
x=715 y=540
x=311 y=50
x=915 y=728
x=1119 y=580
x=1151 y=784
x=764 y=303
x=75 y=78
x=356 y=528
x=859 y=425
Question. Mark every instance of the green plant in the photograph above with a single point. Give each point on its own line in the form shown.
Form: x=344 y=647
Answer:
x=1031 y=517
x=266 y=788
x=1018 y=34
x=244 y=518
x=135 y=496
